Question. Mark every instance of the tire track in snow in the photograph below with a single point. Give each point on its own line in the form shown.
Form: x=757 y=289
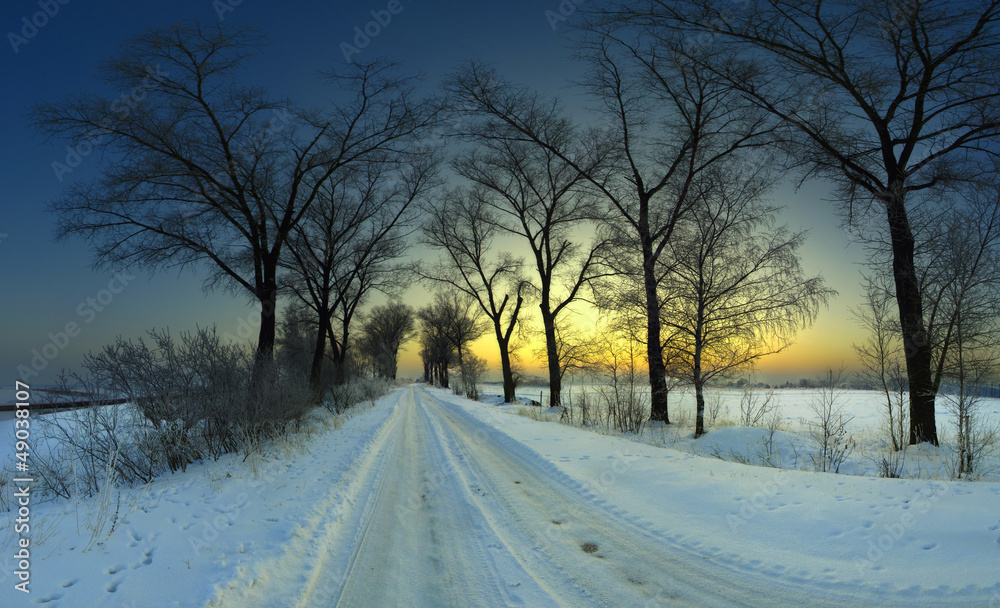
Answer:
x=443 y=509
x=269 y=584
x=416 y=556
x=633 y=564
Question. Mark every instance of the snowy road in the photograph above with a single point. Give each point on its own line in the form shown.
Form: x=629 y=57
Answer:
x=449 y=511
x=426 y=499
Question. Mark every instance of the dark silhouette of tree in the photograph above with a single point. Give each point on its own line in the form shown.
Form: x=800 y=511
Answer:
x=383 y=332
x=538 y=192
x=464 y=227
x=351 y=243
x=436 y=350
x=210 y=171
x=734 y=291
x=890 y=101
x=448 y=325
x=667 y=121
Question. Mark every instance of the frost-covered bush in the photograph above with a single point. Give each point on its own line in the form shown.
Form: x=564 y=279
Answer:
x=355 y=391
x=185 y=399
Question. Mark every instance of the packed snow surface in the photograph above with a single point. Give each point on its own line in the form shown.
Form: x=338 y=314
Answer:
x=428 y=499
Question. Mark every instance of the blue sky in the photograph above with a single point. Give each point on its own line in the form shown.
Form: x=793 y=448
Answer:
x=48 y=285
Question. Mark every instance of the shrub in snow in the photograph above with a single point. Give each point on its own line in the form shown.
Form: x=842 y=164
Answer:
x=828 y=430
x=473 y=368
x=357 y=390
x=186 y=399
x=757 y=408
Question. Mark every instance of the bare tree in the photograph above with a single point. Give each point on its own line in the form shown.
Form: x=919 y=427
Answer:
x=667 y=121
x=957 y=257
x=974 y=365
x=464 y=227
x=383 y=332
x=538 y=193
x=450 y=323
x=350 y=245
x=960 y=276
x=735 y=291
x=614 y=355
x=207 y=169
x=880 y=357
x=828 y=429
x=967 y=301
x=888 y=100
x=436 y=350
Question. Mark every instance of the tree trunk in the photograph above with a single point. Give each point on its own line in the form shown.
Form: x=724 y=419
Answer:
x=339 y=356
x=263 y=365
x=268 y=320
x=461 y=367
x=916 y=345
x=319 y=351
x=699 y=395
x=699 y=389
x=340 y=368
x=551 y=348
x=659 y=394
x=506 y=370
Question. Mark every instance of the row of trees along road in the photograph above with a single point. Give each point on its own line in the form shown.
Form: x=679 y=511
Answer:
x=694 y=102
x=891 y=101
x=213 y=172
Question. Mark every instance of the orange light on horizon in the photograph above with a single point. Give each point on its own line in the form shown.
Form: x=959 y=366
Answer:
x=827 y=344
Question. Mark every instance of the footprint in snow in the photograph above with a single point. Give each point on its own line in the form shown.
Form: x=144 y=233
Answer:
x=113 y=585
x=114 y=569
x=45 y=599
x=147 y=559
x=69 y=583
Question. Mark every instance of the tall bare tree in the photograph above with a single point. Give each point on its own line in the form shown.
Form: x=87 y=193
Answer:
x=208 y=170
x=538 y=193
x=888 y=100
x=465 y=228
x=666 y=120
x=734 y=291
x=351 y=244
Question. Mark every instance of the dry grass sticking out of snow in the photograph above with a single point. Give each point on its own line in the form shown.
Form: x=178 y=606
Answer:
x=839 y=431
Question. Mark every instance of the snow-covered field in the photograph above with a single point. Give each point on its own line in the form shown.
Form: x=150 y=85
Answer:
x=790 y=447
x=428 y=499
